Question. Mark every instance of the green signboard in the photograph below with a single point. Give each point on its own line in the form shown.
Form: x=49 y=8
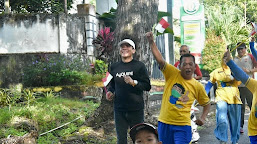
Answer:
x=192 y=27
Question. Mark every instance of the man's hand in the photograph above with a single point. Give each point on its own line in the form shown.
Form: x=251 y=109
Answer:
x=252 y=39
x=199 y=122
x=128 y=80
x=227 y=56
x=149 y=36
x=109 y=96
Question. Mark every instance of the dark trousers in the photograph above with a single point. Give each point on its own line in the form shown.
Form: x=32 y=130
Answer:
x=125 y=120
x=245 y=94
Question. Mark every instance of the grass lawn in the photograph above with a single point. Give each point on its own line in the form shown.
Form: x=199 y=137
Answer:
x=45 y=113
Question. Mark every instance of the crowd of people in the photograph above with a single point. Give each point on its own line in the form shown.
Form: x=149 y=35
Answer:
x=235 y=84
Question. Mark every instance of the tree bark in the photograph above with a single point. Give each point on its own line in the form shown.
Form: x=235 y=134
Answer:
x=134 y=19
x=102 y=114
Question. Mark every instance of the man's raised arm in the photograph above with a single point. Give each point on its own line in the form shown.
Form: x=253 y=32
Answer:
x=156 y=53
x=237 y=71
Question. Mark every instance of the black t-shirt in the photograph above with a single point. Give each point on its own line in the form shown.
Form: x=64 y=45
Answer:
x=127 y=97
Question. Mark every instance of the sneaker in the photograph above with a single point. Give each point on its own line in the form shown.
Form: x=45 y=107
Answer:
x=195 y=136
x=241 y=130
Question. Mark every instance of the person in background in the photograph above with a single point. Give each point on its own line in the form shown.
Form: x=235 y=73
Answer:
x=130 y=79
x=174 y=123
x=144 y=133
x=251 y=84
x=184 y=49
x=228 y=103
x=246 y=62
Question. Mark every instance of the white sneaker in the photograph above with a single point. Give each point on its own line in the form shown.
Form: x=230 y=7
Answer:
x=195 y=136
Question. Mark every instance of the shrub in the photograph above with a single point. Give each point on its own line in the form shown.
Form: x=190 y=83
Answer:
x=103 y=43
x=5 y=115
x=56 y=70
x=100 y=67
x=5 y=97
x=213 y=52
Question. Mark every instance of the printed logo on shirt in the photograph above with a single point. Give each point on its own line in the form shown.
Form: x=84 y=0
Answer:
x=176 y=92
x=123 y=74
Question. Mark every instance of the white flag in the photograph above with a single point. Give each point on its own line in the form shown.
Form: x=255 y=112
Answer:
x=162 y=25
x=107 y=79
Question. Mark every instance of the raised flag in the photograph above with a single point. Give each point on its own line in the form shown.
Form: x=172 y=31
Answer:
x=162 y=25
x=107 y=79
x=254 y=29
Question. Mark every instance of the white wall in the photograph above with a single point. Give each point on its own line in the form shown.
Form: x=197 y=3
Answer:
x=103 y=6
x=28 y=36
x=45 y=34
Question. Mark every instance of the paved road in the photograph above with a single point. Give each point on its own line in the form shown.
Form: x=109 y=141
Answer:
x=207 y=132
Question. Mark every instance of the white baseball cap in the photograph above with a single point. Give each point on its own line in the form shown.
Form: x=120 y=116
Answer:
x=129 y=41
x=142 y=126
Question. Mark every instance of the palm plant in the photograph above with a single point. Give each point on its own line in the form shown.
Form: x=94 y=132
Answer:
x=227 y=22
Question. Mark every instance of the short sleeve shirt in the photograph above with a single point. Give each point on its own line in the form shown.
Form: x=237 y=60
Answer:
x=175 y=112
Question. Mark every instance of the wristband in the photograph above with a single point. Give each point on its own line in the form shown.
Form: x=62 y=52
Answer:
x=135 y=82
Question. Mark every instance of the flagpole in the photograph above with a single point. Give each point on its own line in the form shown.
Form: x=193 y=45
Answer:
x=251 y=34
x=105 y=89
x=239 y=44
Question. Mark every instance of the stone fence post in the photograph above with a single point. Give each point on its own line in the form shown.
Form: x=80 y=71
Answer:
x=90 y=25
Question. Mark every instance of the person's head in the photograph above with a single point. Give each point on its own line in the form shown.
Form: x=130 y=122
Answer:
x=127 y=49
x=241 y=49
x=187 y=66
x=184 y=49
x=144 y=133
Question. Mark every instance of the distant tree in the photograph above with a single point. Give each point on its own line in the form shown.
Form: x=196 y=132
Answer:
x=225 y=26
x=36 y=6
x=213 y=52
x=248 y=7
x=226 y=21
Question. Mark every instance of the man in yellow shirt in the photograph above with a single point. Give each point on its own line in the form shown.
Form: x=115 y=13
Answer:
x=228 y=104
x=174 y=123
x=251 y=84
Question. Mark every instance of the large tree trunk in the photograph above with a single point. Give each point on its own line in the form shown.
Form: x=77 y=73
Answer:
x=134 y=19
x=102 y=114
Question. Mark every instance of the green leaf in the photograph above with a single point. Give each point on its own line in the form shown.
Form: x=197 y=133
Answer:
x=107 y=16
x=162 y=14
x=167 y=30
x=177 y=39
x=113 y=10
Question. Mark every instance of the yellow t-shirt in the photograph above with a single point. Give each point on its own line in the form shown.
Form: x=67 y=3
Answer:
x=227 y=87
x=175 y=112
x=252 y=121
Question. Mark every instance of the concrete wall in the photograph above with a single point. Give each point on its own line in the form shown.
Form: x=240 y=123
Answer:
x=25 y=35
x=47 y=33
x=28 y=34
